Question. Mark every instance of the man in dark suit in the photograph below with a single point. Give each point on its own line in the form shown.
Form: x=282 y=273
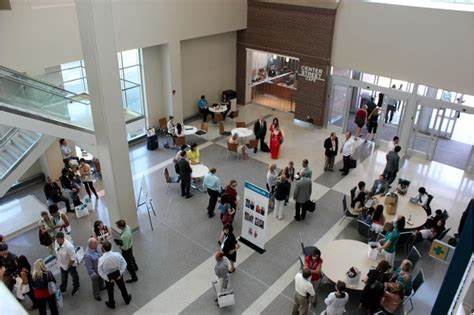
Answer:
x=380 y=186
x=331 y=145
x=54 y=194
x=391 y=168
x=260 y=131
x=185 y=171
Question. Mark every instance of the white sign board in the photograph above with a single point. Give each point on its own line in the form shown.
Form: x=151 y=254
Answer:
x=254 y=216
x=312 y=74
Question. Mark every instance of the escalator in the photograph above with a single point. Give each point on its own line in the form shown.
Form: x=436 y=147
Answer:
x=33 y=114
x=38 y=106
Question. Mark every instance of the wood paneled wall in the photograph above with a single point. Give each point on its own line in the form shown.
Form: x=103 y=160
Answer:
x=299 y=31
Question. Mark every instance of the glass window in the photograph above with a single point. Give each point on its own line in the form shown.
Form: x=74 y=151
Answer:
x=401 y=85
x=341 y=72
x=468 y=100
x=422 y=89
x=369 y=78
x=383 y=81
x=72 y=74
x=134 y=100
x=70 y=65
x=130 y=58
x=132 y=74
x=75 y=86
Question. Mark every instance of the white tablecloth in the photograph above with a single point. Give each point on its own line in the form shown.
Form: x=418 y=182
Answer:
x=189 y=130
x=340 y=255
x=199 y=170
x=242 y=132
x=415 y=215
x=218 y=109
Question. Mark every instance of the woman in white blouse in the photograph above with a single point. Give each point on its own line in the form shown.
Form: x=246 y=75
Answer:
x=337 y=300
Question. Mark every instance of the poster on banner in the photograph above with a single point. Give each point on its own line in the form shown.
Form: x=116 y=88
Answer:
x=254 y=217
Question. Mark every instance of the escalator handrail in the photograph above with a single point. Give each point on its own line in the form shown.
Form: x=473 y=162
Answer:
x=50 y=120
x=36 y=80
x=8 y=136
x=19 y=160
x=13 y=79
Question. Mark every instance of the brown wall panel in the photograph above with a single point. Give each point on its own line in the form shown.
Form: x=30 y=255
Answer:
x=299 y=31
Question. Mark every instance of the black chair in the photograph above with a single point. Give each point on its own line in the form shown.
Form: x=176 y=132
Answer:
x=404 y=240
x=416 y=284
x=346 y=211
x=352 y=192
x=414 y=256
x=363 y=229
x=441 y=235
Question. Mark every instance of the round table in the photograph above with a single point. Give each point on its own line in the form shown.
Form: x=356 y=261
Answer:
x=218 y=108
x=340 y=255
x=243 y=133
x=415 y=215
x=199 y=170
x=189 y=130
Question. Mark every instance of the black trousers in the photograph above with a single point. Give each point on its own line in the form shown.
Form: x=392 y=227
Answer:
x=65 y=275
x=61 y=198
x=90 y=187
x=300 y=211
x=389 y=176
x=345 y=164
x=51 y=302
x=390 y=111
x=131 y=264
x=213 y=196
x=261 y=140
x=110 y=289
x=185 y=186
x=204 y=113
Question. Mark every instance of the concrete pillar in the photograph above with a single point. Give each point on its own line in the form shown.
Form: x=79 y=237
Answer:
x=100 y=56
x=153 y=73
x=172 y=83
x=406 y=124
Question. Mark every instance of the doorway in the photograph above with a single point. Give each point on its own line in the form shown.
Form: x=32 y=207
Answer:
x=443 y=135
x=272 y=79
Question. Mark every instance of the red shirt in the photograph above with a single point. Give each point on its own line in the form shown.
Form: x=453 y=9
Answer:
x=313 y=265
x=232 y=194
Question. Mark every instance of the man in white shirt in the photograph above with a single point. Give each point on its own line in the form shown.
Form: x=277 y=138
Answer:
x=304 y=292
x=67 y=262
x=346 y=151
x=170 y=128
x=111 y=267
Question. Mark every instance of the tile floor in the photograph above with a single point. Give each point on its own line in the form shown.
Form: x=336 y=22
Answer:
x=176 y=258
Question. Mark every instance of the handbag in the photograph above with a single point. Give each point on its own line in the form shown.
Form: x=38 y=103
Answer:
x=309 y=206
x=352 y=163
x=44 y=238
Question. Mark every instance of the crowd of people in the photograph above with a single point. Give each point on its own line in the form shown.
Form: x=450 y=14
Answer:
x=104 y=266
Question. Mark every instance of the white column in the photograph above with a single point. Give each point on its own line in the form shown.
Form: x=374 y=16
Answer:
x=406 y=125
x=100 y=56
x=172 y=78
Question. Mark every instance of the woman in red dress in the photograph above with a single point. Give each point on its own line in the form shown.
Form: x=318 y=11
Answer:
x=276 y=139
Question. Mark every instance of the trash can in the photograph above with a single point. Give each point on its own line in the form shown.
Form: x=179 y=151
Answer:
x=152 y=139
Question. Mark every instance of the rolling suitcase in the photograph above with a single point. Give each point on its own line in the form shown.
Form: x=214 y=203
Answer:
x=224 y=297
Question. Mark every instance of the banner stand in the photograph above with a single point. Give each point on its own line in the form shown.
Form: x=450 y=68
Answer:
x=148 y=202
x=251 y=245
x=255 y=217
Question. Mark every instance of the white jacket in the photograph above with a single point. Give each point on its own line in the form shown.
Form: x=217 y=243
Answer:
x=335 y=305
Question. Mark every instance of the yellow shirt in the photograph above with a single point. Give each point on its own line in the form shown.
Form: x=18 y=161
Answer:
x=193 y=156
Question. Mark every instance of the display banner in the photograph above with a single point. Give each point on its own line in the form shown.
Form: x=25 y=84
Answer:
x=254 y=217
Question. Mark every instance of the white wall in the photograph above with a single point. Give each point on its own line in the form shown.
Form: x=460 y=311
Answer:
x=38 y=34
x=423 y=45
x=208 y=67
x=153 y=73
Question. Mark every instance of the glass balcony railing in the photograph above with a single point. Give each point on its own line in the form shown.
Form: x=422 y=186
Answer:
x=20 y=93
